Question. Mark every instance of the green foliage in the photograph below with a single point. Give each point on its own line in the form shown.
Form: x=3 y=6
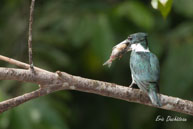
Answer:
x=102 y=36
x=184 y=8
x=36 y=114
x=77 y=36
x=180 y=57
x=163 y=5
x=136 y=12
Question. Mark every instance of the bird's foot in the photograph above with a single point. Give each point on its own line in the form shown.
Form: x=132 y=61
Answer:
x=131 y=85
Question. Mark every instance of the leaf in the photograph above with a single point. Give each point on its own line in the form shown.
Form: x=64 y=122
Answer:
x=163 y=2
x=154 y=4
x=163 y=5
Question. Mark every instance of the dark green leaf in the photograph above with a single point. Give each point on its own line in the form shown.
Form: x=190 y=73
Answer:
x=165 y=7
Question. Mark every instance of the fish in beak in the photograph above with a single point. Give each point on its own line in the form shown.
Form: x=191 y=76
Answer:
x=118 y=51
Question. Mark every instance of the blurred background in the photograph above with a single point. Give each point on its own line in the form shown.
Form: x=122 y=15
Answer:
x=76 y=36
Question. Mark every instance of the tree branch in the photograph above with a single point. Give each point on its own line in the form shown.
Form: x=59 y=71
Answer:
x=52 y=82
x=18 y=63
x=30 y=34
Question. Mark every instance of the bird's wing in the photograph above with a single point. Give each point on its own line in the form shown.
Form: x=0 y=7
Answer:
x=145 y=71
x=145 y=68
x=155 y=68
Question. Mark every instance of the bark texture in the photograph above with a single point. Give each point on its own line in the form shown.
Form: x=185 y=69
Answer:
x=50 y=82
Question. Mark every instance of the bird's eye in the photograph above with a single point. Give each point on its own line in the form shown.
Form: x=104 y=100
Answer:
x=130 y=38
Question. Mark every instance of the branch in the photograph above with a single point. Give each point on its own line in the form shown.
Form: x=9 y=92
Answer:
x=52 y=82
x=30 y=34
x=18 y=63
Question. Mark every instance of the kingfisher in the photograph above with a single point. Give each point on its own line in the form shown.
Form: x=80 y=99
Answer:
x=144 y=65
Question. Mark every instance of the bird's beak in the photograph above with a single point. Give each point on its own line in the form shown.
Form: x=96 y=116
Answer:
x=128 y=44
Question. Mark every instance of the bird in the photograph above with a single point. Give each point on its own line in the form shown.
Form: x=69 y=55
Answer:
x=144 y=66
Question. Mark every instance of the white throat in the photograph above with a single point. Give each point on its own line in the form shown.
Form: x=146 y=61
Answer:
x=139 y=48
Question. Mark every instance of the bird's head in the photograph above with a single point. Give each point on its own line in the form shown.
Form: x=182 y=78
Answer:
x=137 y=42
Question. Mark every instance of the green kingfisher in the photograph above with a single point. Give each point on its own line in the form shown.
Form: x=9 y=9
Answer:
x=144 y=65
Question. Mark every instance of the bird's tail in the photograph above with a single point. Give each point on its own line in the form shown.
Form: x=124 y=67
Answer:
x=154 y=96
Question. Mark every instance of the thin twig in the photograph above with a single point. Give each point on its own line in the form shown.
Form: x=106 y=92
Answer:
x=30 y=35
x=14 y=62
x=19 y=63
x=13 y=102
x=7 y=104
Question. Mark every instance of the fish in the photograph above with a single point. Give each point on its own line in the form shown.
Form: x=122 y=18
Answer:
x=117 y=52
